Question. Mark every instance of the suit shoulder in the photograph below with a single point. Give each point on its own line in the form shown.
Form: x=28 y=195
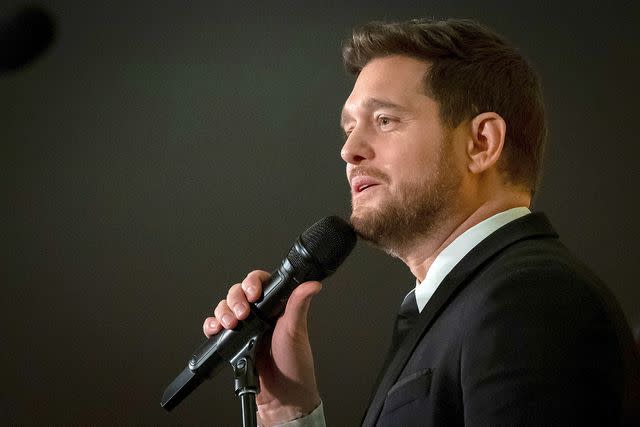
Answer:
x=547 y=266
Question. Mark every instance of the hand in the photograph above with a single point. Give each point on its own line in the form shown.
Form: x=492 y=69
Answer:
x=288 y=387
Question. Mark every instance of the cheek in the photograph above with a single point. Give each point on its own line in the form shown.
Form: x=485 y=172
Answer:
x=410 y=159
x=409 y=176
x=415 y=166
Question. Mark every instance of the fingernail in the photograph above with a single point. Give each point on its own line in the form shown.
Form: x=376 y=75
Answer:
x=238 y=309
x=251 y=290
x=212 y=325
x=226 y=320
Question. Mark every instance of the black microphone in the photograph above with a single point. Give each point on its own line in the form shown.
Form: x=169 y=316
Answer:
x=316 y=254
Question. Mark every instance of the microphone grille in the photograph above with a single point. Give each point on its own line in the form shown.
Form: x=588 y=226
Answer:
x=330 y=241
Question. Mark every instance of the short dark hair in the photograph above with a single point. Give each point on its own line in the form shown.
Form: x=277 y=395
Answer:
x=471 y=70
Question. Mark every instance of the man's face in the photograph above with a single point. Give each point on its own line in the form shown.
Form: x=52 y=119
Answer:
x=400 y=161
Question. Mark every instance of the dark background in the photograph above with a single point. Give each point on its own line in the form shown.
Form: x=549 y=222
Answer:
x=159 y=151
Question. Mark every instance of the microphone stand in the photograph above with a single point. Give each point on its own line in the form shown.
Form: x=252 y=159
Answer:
x=245 y=383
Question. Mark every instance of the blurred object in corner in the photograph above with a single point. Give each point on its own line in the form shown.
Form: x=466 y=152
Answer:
x=24 y=36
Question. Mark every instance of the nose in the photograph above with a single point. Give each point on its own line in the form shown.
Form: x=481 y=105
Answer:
x=356 y=148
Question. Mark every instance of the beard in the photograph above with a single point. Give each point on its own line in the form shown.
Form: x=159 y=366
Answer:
x=414 y=211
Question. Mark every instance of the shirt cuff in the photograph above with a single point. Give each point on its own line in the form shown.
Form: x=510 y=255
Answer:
x=314 y=419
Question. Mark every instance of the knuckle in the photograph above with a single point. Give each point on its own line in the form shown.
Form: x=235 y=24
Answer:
x=220 y=309
x=254 y=279
x=235 y=292
x=257 y=275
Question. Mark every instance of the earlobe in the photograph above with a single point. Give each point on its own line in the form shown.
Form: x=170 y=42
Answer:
x=488 y=131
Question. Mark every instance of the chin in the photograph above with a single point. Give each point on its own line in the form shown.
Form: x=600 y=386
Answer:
x=362 y=215
x=368 y=222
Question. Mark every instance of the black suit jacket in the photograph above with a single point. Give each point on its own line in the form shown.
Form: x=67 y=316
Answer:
x=518 y=333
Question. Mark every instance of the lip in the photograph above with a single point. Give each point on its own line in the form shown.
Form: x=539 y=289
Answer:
x=361 y=183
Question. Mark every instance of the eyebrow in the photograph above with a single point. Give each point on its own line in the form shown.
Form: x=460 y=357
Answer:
x=372 y=104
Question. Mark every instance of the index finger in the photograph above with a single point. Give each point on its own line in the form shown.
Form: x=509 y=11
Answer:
x=252 y=284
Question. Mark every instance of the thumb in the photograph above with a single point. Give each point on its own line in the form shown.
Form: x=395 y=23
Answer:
x=295 y=313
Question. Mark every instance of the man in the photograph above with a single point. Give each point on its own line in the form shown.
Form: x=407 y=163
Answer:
x=444 y=135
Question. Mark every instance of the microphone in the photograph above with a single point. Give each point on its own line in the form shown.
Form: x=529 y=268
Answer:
x=316 y=254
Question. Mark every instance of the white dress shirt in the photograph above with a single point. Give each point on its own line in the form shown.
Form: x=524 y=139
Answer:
x=462 y=245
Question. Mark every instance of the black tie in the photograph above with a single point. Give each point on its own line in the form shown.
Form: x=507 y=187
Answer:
x=405 y=320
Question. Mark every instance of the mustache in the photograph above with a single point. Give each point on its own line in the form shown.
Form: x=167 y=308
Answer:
x=368 y=171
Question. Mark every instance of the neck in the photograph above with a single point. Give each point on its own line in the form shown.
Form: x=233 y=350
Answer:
x=420 y=253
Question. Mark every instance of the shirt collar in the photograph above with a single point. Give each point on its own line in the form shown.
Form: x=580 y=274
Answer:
x=456 y=250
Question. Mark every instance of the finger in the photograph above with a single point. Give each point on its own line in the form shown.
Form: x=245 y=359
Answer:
x=225 y=316
x=298 y=306
x=211 y=326
x=237 y=301
x=252 y=284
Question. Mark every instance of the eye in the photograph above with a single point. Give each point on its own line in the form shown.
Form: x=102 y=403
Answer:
x=384 y=121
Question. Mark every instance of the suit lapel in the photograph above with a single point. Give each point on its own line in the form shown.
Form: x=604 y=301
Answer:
x=526 y=227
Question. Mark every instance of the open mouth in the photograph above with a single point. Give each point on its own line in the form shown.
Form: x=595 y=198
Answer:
x=362 y=183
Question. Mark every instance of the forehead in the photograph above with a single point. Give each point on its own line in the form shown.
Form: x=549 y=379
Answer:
x=394 y=79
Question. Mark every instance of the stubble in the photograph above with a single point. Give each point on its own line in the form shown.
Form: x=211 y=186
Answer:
x=415 y=210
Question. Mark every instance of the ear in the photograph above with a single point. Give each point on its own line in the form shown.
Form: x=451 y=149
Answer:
x=484 y=148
